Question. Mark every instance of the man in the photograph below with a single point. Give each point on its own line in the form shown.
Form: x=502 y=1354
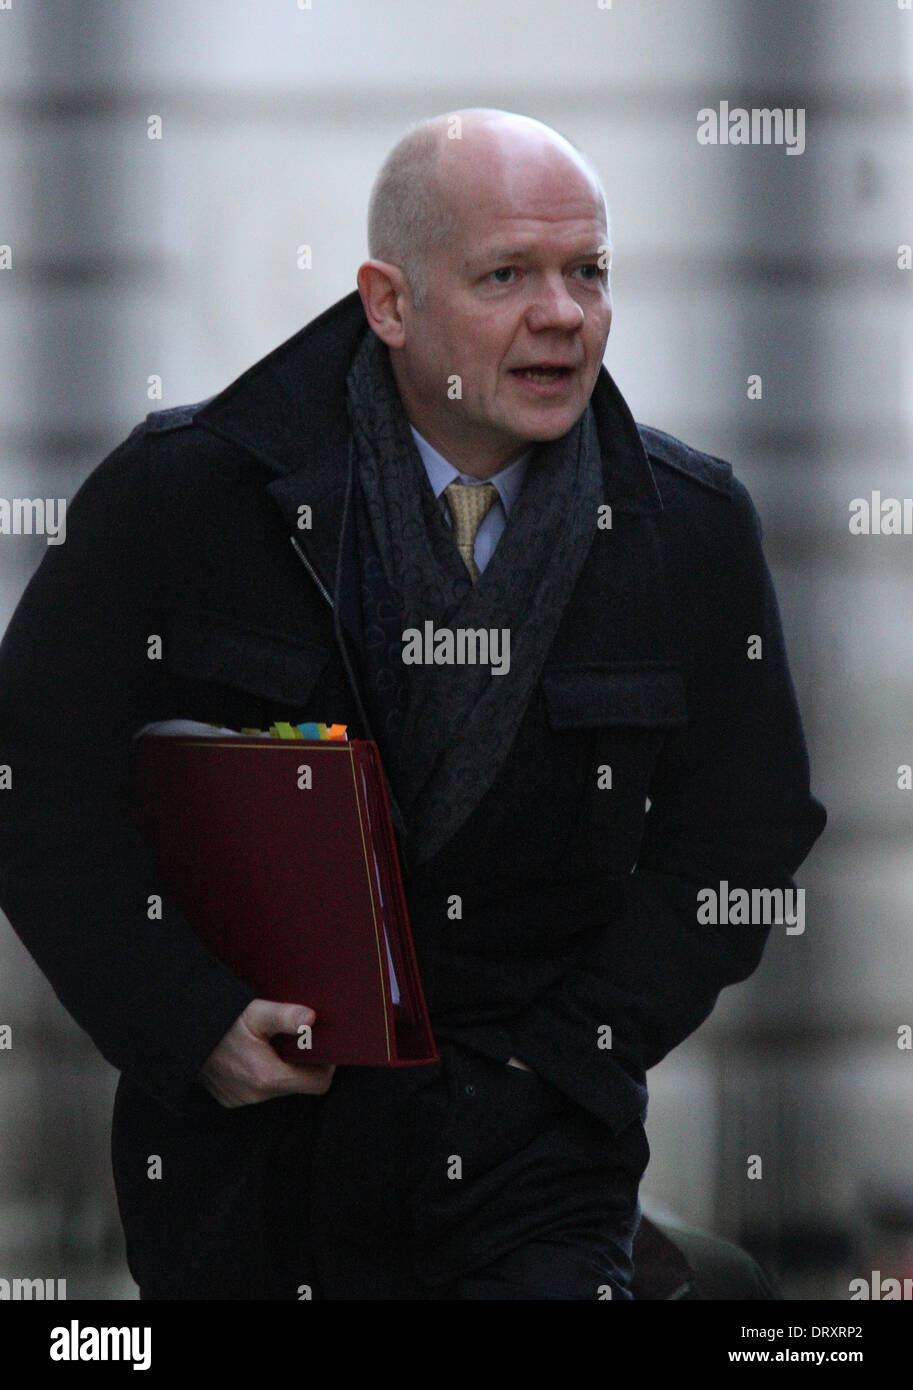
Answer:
x=572 y=805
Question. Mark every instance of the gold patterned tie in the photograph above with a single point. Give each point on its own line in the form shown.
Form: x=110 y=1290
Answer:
x=469 y=507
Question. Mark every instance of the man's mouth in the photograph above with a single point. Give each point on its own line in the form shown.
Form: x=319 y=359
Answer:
x=544 y=373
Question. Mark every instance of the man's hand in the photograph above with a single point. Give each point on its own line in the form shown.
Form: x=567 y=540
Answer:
x=243 y=1069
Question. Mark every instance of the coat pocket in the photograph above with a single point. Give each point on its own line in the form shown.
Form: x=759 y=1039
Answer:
x=231 y=672
x=649 y=695
x=615 y=717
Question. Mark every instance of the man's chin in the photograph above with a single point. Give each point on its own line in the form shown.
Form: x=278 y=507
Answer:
x=548 y=425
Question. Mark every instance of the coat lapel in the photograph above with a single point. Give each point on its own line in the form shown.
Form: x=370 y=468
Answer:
x=290 y=411
x=619 y=609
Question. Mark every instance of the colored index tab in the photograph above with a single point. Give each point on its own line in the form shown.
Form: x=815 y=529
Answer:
x=283 y=730
x=309 y=730
x=338 y=733
x=321 y=731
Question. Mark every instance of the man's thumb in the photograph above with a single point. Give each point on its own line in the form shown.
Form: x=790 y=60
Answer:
x=266 y=1018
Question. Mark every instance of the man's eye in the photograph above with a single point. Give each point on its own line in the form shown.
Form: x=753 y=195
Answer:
x=591 y=271
x=502 y=276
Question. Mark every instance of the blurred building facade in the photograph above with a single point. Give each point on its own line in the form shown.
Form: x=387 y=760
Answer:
x=181 y=187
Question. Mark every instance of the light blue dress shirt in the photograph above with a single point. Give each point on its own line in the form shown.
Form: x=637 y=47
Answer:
x=508 y=484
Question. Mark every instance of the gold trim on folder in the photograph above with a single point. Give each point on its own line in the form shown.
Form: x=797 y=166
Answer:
x=380 y=955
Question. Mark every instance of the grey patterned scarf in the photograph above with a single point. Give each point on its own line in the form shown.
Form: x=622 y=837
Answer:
x=461 y=719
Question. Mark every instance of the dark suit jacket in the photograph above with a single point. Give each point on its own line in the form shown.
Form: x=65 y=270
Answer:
x=184 y=534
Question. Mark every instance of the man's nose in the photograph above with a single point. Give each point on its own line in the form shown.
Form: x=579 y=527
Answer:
x=554 y=306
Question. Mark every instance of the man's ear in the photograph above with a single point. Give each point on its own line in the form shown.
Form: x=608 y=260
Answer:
x=385 y=295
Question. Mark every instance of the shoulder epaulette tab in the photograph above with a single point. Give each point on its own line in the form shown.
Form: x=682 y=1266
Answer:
x=703 y=468
x=177 y=418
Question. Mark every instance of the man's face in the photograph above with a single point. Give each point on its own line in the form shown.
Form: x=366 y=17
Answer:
x=516 y=305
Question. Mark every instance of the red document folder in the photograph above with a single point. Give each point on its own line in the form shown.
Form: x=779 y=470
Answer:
x=296 y=888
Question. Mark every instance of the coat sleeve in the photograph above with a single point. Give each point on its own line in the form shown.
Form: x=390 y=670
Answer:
x=730 y=802
x=76 y=878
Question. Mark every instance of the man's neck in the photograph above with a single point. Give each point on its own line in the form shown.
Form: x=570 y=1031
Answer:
x=441 y=471
x=474 y=464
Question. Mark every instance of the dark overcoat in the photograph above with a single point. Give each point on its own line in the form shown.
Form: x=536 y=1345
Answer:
x=579 y=899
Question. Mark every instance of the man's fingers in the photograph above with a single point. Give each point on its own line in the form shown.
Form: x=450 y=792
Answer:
x=264 y=1018
x=284 y=1080
x=313 y=1081
x=244 y=1069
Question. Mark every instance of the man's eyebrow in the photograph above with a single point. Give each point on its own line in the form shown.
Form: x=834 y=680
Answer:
x=522 y=253
x=498 y=253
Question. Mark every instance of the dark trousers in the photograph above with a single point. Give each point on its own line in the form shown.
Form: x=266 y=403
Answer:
x=469 y=1179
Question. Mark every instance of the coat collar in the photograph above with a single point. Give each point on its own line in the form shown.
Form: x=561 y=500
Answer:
x=289 y=410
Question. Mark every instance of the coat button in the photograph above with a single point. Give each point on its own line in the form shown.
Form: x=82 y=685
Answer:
x=470 y=1089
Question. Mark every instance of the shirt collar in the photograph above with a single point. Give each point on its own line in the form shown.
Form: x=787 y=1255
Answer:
x=441 y=473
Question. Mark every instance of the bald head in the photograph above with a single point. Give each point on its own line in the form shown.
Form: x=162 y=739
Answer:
x=448 y=162
x=488 y=283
